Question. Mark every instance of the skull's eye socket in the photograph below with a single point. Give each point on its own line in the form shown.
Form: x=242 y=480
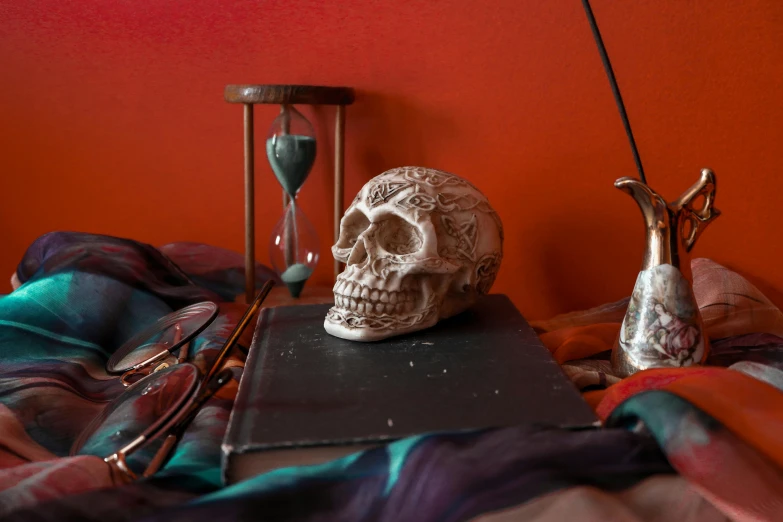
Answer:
x=397 y=236
x=352 y=225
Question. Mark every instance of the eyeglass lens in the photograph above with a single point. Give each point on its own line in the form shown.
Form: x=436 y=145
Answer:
x=147 y=408
x=167 y=334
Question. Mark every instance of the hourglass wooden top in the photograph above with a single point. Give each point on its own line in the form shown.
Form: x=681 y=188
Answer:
x=289 y=94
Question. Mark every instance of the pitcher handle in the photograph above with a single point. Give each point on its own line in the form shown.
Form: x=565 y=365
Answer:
x=693 y=220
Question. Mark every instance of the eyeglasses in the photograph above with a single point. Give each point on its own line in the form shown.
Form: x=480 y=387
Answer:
x=152 y=349
x=139 y=429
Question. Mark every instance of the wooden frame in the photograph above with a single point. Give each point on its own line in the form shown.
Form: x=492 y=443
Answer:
x=249 y=95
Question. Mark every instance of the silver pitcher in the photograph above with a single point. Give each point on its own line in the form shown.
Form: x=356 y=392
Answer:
x=663 y=327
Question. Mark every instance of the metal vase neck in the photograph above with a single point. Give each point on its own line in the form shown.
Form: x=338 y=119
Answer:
x=673 y=228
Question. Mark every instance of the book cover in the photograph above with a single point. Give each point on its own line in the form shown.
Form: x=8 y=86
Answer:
x=306 y=396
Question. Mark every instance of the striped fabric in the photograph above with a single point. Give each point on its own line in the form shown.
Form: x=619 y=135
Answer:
x=696 y=444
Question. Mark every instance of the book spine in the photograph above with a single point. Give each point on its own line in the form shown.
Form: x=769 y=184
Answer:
x=240 y=424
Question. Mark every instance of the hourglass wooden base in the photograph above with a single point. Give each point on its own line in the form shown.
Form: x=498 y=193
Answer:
x=249 y=95
x=280 y=296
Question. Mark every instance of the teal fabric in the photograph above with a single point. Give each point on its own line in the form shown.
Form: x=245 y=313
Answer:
x=82 y=296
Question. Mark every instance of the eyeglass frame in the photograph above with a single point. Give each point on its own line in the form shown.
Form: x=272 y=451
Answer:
x=205 y=388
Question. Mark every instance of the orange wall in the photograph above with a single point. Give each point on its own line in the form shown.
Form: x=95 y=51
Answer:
x=112 y=120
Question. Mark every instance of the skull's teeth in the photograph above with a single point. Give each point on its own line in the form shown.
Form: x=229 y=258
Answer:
x=370 y=308
x=365 y=300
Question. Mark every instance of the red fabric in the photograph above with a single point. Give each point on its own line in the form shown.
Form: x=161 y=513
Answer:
x=579 y=342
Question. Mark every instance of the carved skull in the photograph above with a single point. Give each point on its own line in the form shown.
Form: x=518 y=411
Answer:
x=419 y=246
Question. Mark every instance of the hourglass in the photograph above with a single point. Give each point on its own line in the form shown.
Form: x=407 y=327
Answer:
x=291 y=151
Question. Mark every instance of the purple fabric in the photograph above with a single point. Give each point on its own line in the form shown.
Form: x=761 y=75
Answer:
x=446 y=477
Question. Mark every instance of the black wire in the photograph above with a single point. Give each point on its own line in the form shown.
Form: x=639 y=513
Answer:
x=615 y=88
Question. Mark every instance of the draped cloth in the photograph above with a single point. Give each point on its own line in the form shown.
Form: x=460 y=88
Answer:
x=692 y=444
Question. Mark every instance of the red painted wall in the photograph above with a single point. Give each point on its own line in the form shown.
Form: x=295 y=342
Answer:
x=112 y=120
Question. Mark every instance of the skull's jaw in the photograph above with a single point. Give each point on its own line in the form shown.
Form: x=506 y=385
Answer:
x=347 y=324
x=369 y=308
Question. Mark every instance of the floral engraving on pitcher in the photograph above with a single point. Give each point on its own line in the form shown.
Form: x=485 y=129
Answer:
x=662 y=325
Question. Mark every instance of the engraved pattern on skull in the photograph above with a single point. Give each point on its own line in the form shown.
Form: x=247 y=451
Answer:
x=419 y=246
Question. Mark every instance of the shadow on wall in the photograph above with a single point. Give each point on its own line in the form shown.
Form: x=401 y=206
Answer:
x=387 y=131
x=383 y=131
x=577 y=270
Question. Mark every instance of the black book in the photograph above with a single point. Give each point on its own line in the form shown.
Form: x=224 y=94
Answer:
x=306 y=397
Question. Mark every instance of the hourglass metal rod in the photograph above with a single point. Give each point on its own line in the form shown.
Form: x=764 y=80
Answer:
x=339 y=165
x=250 y=232
x=286 y=198
x=290 y=226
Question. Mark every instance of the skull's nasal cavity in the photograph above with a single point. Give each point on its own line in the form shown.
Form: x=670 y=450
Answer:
x=358 y=253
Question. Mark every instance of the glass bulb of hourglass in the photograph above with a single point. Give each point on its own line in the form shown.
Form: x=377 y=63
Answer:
x=290 y=149
x=293 y=248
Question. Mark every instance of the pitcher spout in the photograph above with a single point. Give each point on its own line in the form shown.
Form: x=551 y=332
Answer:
x=661 y=242
x=647 y=199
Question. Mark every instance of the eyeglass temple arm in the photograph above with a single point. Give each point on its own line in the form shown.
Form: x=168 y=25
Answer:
x=162 y=455
x=237 y=333
x=177 y=333
x=176 y=432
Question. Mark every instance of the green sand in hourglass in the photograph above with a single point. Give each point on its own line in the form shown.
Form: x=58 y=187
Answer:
x=291 y=157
